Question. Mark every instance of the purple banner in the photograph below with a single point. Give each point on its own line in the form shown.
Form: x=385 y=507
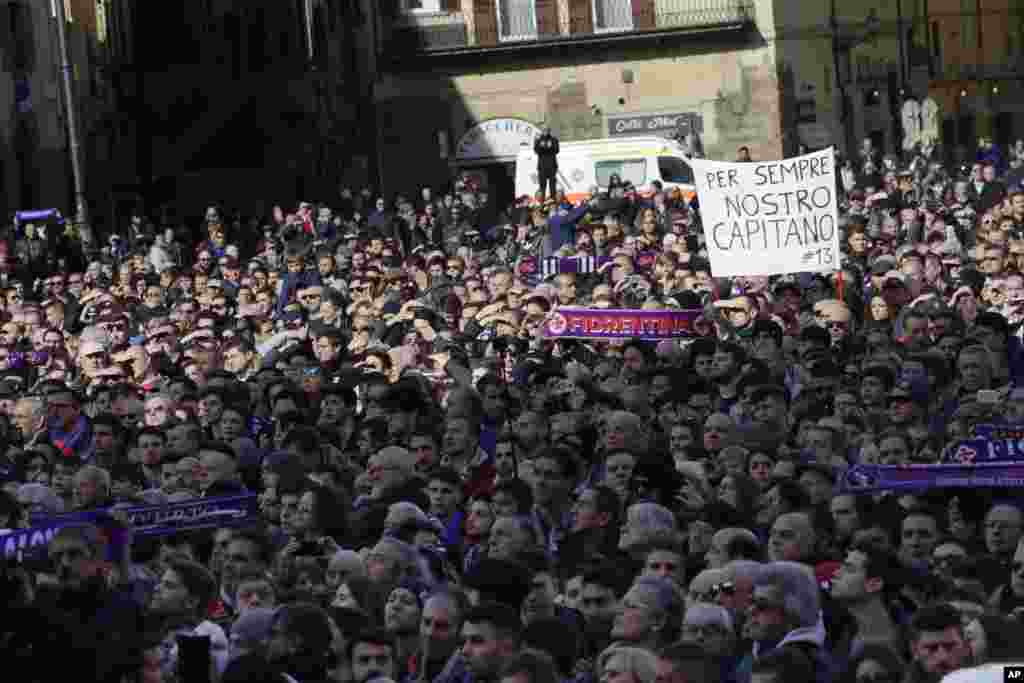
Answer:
x=871 y=478
x=618 y=323
x=1007 y=432
x=146 y=521
x=982 y=450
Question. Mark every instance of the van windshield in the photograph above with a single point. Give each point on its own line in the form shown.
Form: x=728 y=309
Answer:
x=675 y=170
x=629 y=171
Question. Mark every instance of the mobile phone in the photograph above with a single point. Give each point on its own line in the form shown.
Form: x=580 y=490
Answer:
x=194 y=658
x=988 y=396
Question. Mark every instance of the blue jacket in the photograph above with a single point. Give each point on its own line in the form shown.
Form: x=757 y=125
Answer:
x=563 y=227
x=291 y=283
x=326 y=231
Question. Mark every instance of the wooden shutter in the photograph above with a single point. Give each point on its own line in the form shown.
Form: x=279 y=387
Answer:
x=547 y=18
x=451 y=5
x=643 y=15
x=581 y=16
x=485 y=22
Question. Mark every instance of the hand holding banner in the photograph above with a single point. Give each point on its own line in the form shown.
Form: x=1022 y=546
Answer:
x=772 y=217
x=146 y=521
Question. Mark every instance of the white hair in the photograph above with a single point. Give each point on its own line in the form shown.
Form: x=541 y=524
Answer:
x=704 y=613
x=799 y=589
x=95 y=474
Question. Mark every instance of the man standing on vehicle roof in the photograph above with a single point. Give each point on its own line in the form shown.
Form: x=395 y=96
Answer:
x=546 y=149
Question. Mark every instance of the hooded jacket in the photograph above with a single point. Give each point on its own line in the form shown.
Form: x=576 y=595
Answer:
x=811 y=641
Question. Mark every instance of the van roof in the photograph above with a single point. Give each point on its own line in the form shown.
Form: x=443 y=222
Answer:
x=638 y=141
x=640 y=144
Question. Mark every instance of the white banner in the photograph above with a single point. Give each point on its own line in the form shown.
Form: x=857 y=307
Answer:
x=770 y=217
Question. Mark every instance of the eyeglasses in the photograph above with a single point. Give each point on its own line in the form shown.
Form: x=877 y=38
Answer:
x=724 y=588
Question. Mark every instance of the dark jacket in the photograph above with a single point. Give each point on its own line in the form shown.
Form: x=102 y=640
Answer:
x=368 y=521
x=94 y=633
x=546 y=148
x=991 y=194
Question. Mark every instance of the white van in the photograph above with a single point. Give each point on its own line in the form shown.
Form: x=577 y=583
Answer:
x=589 y=163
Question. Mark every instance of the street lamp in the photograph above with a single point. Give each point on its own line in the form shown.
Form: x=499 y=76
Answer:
x=843 y=42
x=70 y=112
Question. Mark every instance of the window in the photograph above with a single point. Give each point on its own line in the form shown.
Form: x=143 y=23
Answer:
x=517 y=19
x=968 y=25
x=629 y=171
x=675 y=170
x=613 y=15
x=420 y=5
x=21 y=41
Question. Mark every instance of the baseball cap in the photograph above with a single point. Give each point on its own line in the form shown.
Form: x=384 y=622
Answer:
x=896 y=277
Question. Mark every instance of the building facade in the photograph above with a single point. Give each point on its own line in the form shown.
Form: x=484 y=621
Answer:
x=245 y=104
x=35 y=170
x=457 y=79
x=967 y=55
x=975 y=57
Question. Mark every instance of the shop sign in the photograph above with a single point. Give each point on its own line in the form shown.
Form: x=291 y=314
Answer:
x=496 y=139
x=665 y=125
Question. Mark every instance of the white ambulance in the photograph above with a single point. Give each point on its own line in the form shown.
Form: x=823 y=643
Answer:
x=590 y=163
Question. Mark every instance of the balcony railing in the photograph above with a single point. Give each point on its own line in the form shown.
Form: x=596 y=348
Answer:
x=698 y=13
x=522 y=22
x=953 y=71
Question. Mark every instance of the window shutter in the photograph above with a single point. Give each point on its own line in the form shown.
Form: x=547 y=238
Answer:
x=485 y=15
x=643 y=15
x=547 y=18
x=581 y=17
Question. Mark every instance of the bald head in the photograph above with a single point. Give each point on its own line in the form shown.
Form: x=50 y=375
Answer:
x=792 y=538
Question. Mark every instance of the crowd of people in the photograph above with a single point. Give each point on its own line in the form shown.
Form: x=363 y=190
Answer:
x=447 y=495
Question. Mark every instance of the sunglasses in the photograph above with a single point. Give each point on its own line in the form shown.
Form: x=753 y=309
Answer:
x=724 y=588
